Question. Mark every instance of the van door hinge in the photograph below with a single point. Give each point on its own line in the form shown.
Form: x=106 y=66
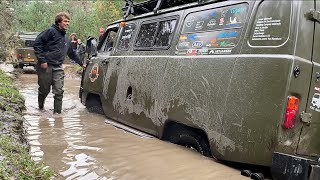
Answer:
x=312 y=14
x=306 y=117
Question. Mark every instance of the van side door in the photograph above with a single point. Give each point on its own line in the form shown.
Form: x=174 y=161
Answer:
x=114 y=81
x=309 y=143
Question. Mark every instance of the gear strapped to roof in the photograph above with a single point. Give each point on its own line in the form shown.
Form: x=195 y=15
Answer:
x=153 y=6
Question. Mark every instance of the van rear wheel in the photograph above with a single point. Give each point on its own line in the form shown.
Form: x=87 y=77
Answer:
x=190 y=139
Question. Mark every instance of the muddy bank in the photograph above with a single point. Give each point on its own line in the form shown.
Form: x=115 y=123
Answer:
x=15 y=160
x=11 y=107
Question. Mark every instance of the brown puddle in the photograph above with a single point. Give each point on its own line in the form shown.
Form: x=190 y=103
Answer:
x=79 y=145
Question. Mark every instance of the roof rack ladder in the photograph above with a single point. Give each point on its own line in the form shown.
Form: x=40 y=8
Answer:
x=129 y=8
x=159 y=3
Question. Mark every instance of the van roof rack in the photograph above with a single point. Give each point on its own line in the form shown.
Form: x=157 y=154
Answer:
x=152 y=6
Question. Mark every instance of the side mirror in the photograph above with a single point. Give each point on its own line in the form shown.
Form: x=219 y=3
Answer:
x=91 y=47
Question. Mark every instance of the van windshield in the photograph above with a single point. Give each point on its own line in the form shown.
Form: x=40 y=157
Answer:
x=29 y=43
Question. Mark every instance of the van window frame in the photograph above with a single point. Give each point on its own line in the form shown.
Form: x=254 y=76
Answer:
x=158 y=20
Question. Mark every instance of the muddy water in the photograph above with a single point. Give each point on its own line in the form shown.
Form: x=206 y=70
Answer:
x=80 y=145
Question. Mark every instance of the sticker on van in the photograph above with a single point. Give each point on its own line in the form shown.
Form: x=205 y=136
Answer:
x=315 y=102
x=214 y=31
x=94 y=73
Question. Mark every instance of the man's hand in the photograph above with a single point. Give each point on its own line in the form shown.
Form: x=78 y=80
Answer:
x=84 y=66
x=44 y=65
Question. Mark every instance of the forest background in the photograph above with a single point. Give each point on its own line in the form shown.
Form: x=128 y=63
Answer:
x=87 y=17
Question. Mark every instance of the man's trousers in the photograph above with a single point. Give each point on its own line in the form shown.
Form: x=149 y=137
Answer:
x=52 y=76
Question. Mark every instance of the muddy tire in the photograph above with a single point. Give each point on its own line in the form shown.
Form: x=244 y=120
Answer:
x=93 y=104
x=190 y=139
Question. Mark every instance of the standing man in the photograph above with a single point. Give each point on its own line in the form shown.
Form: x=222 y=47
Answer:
x=81 y=50
x=101 y=32
x=50 y=47
x=73 y=39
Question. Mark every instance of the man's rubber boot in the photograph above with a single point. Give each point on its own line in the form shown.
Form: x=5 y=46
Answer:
x=57 y=106
x=40 y=102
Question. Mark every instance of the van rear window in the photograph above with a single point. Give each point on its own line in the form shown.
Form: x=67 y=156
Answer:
x=271 y=28
x=214 y=31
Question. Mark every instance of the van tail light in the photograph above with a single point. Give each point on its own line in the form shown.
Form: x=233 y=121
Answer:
x=20 y=56
x=291 y=112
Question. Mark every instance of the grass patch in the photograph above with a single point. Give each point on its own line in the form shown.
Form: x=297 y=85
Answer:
x=10 y=98
x=17 y=163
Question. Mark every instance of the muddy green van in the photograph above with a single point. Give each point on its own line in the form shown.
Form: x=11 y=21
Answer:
x=24 y=52
x=235 y=80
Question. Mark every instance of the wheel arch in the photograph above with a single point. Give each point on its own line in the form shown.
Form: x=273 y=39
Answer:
x=171 y=125
x=93 y=103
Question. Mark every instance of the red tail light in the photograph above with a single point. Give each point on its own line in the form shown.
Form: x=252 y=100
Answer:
x=20 y=56
x=291 y=112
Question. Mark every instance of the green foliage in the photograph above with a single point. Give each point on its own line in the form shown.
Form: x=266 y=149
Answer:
x=6 y=17
x=86 y=16
x=17 y=162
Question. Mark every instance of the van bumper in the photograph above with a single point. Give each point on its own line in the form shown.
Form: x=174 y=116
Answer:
x=285 y=166
x=27 y=63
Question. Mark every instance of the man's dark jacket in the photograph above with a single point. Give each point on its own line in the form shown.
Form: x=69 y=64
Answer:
x=52 y=45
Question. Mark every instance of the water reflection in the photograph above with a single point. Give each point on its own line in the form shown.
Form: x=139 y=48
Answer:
x=79 y=145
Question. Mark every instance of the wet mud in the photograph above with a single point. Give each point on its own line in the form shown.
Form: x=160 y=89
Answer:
x=80 y=145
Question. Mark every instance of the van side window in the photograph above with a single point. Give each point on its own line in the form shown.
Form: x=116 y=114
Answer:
x=165 y=33
x=110 y=40
x=146 y=35
x=214 y=31
x=125 y=37
x=271 y=28
x=156 y=34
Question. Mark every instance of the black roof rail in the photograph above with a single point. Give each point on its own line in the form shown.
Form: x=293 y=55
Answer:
x=152 y=6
